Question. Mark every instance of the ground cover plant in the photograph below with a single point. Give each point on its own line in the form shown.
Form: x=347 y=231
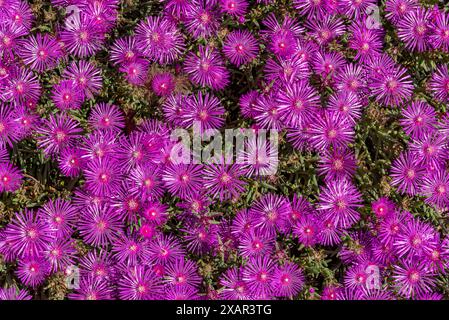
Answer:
x=349 y=201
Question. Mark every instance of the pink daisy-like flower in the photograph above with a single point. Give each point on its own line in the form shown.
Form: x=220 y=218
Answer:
x=61 y=216
x=330 y=129
x=202 y=18
x=258 y=275
x=102 y=176
x=435 y=187
x=414 y=29
x=392 y=86
x=10 y=177
x=235 y=8
x=57 y=133
x=182 y=272
x=21 y=86
x=439 y=84
x=207 y=68
x=8 y=126
x=146 y=181
x=71 y=162
x=223 y=181
x=439 y=37
x=163 y=84
x=297 y=103
x=234 y=288
x=86 y=76
x=60 y=253
x=28 y=234
x=270 y=212
x=67 y=95
x=337 y=164
x=240 y=47
x=124 y=50
x=33 y=270
x=81 y=36
x=397 y=9
x=412 y=278
x=419 y=119
x=99 y=225
x=106 y=117
x=346 y=103
x=339 y=201
x=288 y=280
x=159 y=39
x=163 y=249
x=407 y=173
x=140 y=283
x=183 y=180
x=203 y=112
x=40 y=52
x=136 y=72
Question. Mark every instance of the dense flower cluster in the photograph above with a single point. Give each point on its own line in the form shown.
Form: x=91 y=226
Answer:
x=140 y=225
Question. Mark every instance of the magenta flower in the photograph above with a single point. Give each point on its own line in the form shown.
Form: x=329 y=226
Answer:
x=203 y=112
x=346 y=103
x=392 y=87
x=71 y=162
x=223 y=181
x=414 y=29
x=339 y=201
x=92 y=288
x=435 y=187
x=146 y=181
x=100 y=225
x=163 y=250
x=136 y=71
x=240 y=47
x=237 y=8
x=61 y=216
x=40 y=52
x=124 y=51
x=407 y=173
x=21 y=86
x=183 y=180
x=297 y=103
x=163 y=84
x=258 y=275
x=419 y=119
x=270 y=212
x=325 y=30
x=86 y=76
x=202 y=18
x=181 y=273
x=140 y=283
x=106 y=117
x=415 y=240
x=159 y=39
x=8 y=127
x=60 y=253
x=288 y=280
x=234 y=288
x=439 y=84
x=439 y=37
x=14 y=294
x=412 y=278
x=397 y=9
x=57 y=133
x=28 y=233
x=330 y=129
x=81 y=36
x=102 y=176
x=67 y=95
x=206 y=68
x=33 y=270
